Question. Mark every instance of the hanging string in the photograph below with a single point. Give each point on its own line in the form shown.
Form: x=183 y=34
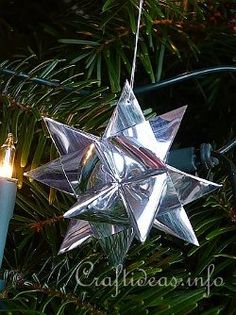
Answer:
x=136 y=44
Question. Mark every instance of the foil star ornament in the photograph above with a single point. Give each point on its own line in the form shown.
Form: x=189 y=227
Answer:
x=122 y=182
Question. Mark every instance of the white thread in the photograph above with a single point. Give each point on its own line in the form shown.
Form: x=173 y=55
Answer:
x=136 y=45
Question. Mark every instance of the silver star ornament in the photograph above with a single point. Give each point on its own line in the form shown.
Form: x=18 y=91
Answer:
x=121 y=181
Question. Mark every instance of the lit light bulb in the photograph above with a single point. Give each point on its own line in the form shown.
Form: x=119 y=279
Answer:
x=7 y=155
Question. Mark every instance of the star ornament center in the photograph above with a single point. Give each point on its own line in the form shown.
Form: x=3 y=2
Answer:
x=131 y=188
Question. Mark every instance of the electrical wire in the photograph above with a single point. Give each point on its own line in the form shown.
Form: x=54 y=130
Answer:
x=138 y=90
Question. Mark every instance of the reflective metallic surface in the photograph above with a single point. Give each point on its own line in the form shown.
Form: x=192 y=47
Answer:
x=126 y=114
x=117 y=246
x=67 y=139
x=121 y=182
x=141 y=199
x=165 y=128
x=172 y=218
x=189 y=187
x=78 y=232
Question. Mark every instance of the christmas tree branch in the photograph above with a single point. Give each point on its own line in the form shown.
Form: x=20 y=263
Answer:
x=38 y=226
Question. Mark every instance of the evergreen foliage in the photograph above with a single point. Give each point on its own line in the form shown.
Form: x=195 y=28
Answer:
x=88 y=46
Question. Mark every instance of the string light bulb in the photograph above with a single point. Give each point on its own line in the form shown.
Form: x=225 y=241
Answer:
x=7 y=155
